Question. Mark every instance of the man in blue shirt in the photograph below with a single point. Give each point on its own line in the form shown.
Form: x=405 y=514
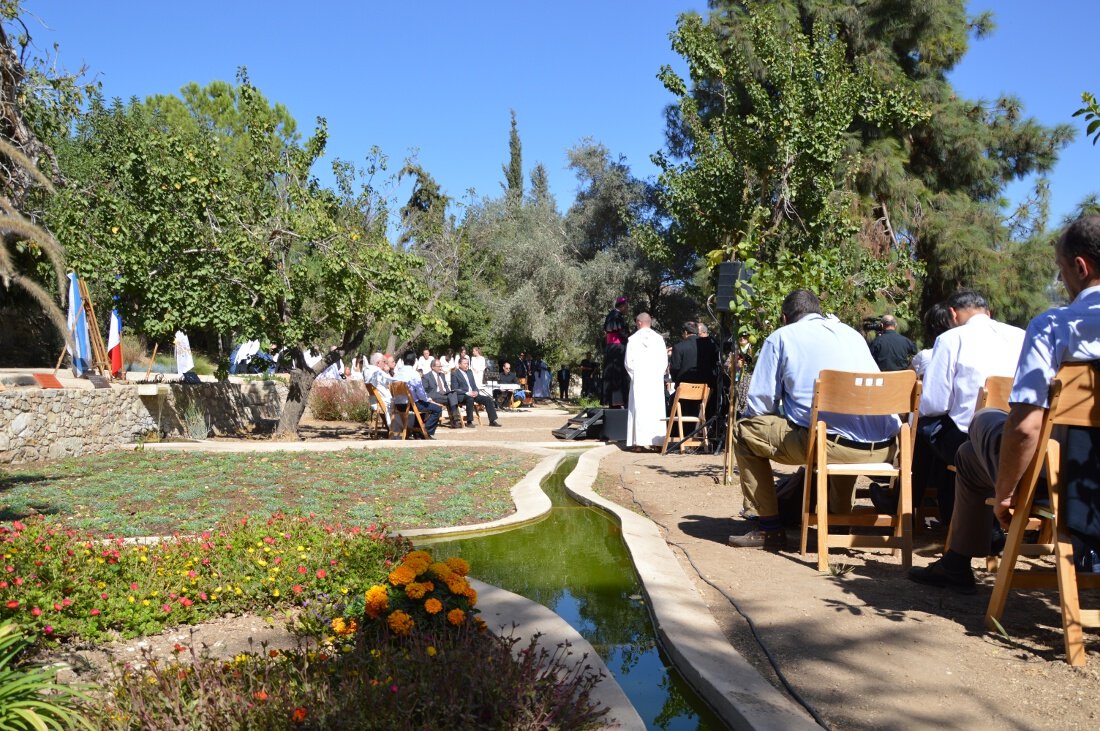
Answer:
x=777 y=413
x=992 y=463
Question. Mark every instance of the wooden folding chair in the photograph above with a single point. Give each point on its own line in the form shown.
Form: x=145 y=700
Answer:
x=1074 y=401
x=398 y=389
x=687 y=392
x=380 y=422
x=861 y=394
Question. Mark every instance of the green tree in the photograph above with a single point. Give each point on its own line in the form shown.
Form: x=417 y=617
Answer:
x=195 y=232
x=513 y=171
x=1091 y=113
x=922 y=171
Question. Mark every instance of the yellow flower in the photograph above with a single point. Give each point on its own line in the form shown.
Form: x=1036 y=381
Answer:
x=402 y=575
x=433 y=606
x=432 y=651
x=400 y=623
x=377 y=601
x=456 y=617
x=458 y=565
x=344 y=628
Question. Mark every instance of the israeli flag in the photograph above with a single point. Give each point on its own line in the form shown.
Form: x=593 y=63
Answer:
x=78 y=328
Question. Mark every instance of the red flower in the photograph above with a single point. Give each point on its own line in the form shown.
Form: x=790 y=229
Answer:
x=103 y=596
x=3 y=585
x=66 y=602
x=12 y=604
x=321 y=573
x=133 y=587
x=301 y=569
x=94 y=612
x=36 y=612
x=178 y=648
x=185 y=601
x=297 y=588
x=166 y=608
x=260 y=695
x=299 y=715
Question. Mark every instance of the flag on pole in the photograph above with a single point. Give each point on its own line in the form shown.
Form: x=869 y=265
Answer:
x=114 y=343
x=78 y=329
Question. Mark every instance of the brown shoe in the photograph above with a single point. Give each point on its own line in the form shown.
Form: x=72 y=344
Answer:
x=771 y=540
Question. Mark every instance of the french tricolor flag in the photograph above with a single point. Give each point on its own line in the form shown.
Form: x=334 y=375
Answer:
x=114 y=343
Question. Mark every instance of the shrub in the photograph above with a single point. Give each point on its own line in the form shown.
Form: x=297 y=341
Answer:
x=59 y=582
x=340 y=401
x=24 y=703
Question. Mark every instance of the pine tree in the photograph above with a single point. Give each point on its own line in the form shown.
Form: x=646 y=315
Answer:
x=513 y=171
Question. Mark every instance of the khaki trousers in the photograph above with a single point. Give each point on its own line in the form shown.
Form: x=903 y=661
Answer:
x=760 y=440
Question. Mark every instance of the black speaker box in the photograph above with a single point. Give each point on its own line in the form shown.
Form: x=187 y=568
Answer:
x=729 y=274
x=614 y=425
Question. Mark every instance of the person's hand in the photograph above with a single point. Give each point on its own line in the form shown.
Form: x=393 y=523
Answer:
x=1003 y=511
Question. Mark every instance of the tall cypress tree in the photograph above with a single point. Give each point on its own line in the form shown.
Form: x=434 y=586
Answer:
x=513 y=171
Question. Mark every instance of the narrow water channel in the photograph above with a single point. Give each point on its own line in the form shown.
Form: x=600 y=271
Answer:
x=575 y=562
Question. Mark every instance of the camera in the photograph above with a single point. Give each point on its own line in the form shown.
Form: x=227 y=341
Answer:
x=872 y=324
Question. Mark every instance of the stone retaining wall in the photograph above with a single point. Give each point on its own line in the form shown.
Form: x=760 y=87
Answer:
x=38 y=424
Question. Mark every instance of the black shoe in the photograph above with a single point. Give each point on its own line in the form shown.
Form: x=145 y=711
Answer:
x=884 y=499
x=471 y=425
x=495 y=423
x=769 y=540
x=936 y=575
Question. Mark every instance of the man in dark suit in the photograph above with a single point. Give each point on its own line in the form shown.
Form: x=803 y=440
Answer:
x=695 y=360
x=465 y=386
x=440 y=392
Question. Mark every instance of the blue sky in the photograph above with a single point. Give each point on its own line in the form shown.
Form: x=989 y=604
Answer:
x=439 y=78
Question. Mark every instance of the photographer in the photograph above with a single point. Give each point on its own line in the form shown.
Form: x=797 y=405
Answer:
x=891 y=350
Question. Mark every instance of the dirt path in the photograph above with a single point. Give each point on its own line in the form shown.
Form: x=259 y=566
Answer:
x=866 y=647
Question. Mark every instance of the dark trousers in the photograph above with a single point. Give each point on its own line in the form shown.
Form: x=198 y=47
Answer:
x=616 y=381
x=490 y=407
x=938 y=439
x=430 y=413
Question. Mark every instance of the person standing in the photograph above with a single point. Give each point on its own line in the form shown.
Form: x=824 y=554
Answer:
x=890 y=349
x=615 y=385
x=646 y=360
x=588 y=370
x=563 y=381
x=477 y=365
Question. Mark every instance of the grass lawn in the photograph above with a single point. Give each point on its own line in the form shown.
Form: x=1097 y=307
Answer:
x=139 y=493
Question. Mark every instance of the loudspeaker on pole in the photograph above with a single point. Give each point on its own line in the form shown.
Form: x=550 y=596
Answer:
x=733 y=277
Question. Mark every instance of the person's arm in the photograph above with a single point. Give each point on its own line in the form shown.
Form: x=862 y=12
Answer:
x=938 y=382
x=1018 y=445
x=766 y=384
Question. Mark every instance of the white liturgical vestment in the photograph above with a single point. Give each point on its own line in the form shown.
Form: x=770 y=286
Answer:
x=646 y=362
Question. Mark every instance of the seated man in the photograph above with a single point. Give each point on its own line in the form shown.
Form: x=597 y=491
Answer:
x=429 y=411
x=374 y=375
x=437 y=387
x=777 y=415
x=464 y=383
x=962 y=358
x=1001 y=445
x=508 y=378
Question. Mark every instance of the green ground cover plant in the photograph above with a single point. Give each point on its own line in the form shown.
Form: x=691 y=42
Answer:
x=144 y=493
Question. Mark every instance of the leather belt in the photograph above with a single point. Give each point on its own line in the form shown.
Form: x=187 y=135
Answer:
x=853 y=444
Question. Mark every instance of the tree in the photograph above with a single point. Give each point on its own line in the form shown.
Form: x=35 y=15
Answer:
x=194 y=231
x=513 y=171
x=922 y=171
x=1091 y=112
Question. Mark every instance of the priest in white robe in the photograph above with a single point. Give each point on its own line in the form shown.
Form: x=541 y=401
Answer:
x=646 y=363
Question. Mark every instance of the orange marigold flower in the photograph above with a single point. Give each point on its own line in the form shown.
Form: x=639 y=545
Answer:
x=458 y=565
x=402 y=575
x=417 y=564
x=400 y=623
x=433 y=606
x=440 y=570
x=481 y=626
x=457 y=585
x=456 y=617
x=471 y=596
x=344 y=627
x=260 y=695
x=377 y=601
x=416 y=590
x=298 y=715
x=418 y=556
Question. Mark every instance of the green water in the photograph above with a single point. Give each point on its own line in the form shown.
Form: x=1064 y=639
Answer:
x=575 y=562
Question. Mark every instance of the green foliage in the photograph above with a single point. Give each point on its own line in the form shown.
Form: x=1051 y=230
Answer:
x=30 y=700
x=1091 y=112
x=513 y=171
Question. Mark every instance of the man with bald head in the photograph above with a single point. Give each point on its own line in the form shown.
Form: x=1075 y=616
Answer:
x=891 y=350
x=646 y=362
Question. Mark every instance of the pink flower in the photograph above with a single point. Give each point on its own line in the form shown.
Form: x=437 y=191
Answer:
x=48 y=629
x=94 y=612
x=3 y=585
x=133 y=587
x=66 y=602
x=103 y=596
x=19 y=581
x=301 y=569
x=202 y=595
x=193 y=574
x=36 y=612
x=297 y=588
x=9 y=569
x=321 y=573
x=18 y=526
x=166 y=608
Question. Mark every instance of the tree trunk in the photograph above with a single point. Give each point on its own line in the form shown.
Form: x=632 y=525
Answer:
x=301 y=385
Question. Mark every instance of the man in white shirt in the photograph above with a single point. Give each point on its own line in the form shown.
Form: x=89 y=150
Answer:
x=777 y=415
x=962 y=359
x=424 y=363
x=1001 y=445
x=646 y=363
x=374 y=375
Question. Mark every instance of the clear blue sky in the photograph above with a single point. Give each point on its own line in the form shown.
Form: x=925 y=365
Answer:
x=440 y=77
